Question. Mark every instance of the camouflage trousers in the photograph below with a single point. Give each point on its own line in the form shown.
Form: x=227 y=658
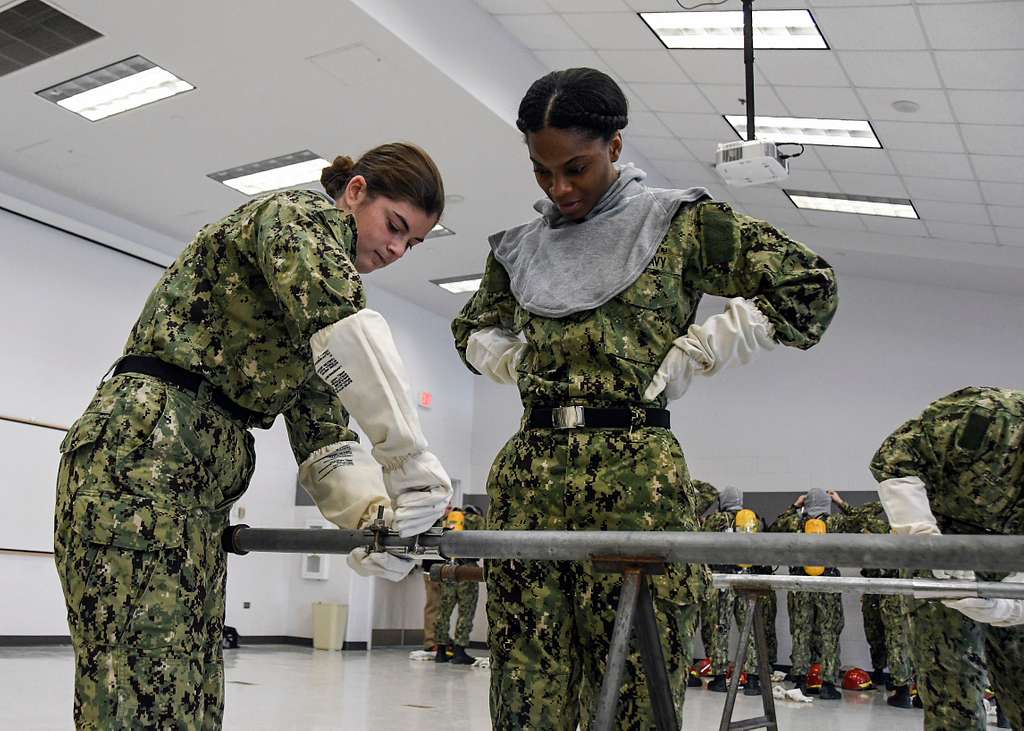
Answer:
x=146 y=479
x=731 y=605
x=951 y=653
x=709 y=620
x=885 y=628
x=815 y=623
x=464 y=594
x=550 y=622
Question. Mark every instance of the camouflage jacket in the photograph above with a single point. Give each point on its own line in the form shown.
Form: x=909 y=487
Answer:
x=968 y=449
x=793 y=520
x=608 y=355
x=240 y=303
x=706 y=496
x=868 y=518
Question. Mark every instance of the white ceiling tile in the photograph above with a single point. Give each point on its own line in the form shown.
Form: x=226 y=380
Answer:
x=850 y=3
x=818 y=181
x=988 y=139
x=778 y=217
x=1003 y=194
x=981 y=69
x=855 y=161
x=962 y=232
x=988 y=107
x=888 y=186
x=971 y=213
x=891 y=28
x=932 y=103
x=720 y=192
x=672 y=98
x=823 y=102
x=558 y=60
x=714 y=66
x=589 y=6
x=810 y=159
x=829 y=219
x=999 y=169
x=761 y=195
x=898 y=69
x=661 y=148
x=699 y=126
x=514 y=7
x=702 y=150
x=652 y=67
x=726 y=99
x=895 y=226
x=932 y=165
x=922 y=136
x=653 y=6
x=973 y=27
x=646 y=124
x=1010 y=236
x=685 y=173
x=800 y=68
x=956 y=191
x=1007 y=216
x=541 y=32
x=614 y=31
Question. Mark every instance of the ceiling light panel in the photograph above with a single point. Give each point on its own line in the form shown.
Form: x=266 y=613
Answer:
x=808 y=130
x=274 y=173
x=439 y=230
x=127 y=84
x=460 y=285
x=864 y=204
x=792 y=29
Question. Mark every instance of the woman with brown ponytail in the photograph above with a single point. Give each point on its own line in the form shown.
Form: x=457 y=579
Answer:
x=254 y=319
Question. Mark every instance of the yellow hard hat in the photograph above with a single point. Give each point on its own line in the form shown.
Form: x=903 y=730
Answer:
x=747 y=522
x=815 y=526
x=456 y=520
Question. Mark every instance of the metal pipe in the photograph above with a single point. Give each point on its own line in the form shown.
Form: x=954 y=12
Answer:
x=748 y=64
x=445 y=573
x=622 y=631
x=919 y=588
x=981 y=553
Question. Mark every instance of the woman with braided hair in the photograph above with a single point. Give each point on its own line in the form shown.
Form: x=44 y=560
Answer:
x=589 y=310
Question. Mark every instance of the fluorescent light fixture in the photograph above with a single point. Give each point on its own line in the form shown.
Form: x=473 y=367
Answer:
x=842 y=203
x=792 y=29
x=127 y=84
x=439 y=230
x=808 y=131
x=460 y=285
x=273 y=173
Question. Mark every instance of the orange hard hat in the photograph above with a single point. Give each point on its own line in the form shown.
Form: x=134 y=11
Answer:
x=813 y=679
x=857 y=679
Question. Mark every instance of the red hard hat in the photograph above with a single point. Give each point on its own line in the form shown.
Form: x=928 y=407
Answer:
x=813 y=679
x=856 y=679
x=704 y=667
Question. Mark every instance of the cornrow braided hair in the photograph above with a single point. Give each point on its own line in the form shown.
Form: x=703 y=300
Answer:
x=583 y=99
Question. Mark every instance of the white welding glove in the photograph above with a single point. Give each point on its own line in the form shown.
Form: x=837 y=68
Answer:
x=997 y=612
x=379 y=563
x=357 y=357
x=734 y=337
x=345 y=483
x=905 y=500
x=496 y=353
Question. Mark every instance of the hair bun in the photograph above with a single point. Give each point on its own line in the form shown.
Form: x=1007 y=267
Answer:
x=335 y=176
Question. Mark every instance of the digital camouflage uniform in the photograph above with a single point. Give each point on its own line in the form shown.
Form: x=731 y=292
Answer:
x=550 y=623
x=968 y=449
x=815 y=618
x=885 y=615
x=149 y=472
x=706 y=496
x=464 y=594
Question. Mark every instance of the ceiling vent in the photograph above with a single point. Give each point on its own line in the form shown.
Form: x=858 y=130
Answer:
x=33 y=31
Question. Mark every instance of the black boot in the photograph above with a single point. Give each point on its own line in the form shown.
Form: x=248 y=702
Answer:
x=693 y=681
x=753 y=686
x=901 y=698
x=808 y=690
x=459 y=656
x=877 y=678
x=718 y=684
x=1001 y=720
x=442 y=654
x=829 y=692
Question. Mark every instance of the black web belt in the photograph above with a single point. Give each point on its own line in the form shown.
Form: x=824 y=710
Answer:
x=187 y=381
x=586 y=417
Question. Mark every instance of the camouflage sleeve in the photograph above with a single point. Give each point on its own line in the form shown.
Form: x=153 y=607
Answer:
x=706 y=496
x=304 y=258
x=906 y=452
x=490 y=306
x=473 y=522
x=315 y=420
x=740 y=256
x=716 y=523
x=788 y=522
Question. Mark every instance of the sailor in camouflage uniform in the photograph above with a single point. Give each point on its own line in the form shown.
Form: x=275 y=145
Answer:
x=603 y=290
x=706 y=495
x=461 y=594
x=227 y=341
x=959 y=468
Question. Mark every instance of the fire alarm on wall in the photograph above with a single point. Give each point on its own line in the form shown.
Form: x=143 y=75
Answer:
x=426 y=399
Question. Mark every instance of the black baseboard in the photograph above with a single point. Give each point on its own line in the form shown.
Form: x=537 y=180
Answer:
x=34 y=640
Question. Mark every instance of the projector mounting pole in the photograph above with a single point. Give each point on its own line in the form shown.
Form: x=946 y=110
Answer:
x=748 y=63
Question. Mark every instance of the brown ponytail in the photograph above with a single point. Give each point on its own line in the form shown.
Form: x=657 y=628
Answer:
x=397 y=170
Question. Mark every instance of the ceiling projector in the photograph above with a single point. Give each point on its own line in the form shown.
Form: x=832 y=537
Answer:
x=750 y=163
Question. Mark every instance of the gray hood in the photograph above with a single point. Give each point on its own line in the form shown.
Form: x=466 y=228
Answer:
x=817 y=503
x=730 y=499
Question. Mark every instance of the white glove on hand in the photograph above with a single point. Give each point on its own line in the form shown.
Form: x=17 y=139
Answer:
x=345 y=483
x=734 y=337
x=905 y=501
x=496 y=353
x=422 y=489
x=997 y=612
x=383 y=564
